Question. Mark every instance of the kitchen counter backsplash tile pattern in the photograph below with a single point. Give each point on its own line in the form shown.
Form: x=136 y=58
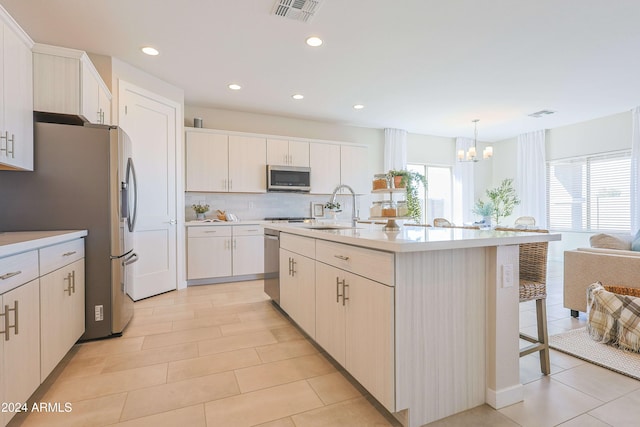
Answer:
x=260 y=206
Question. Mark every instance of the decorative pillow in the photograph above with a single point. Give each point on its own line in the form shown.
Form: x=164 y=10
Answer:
x=609 y=241
x=635 y=245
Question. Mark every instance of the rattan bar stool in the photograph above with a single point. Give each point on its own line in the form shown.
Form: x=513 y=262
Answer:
x=533 y=286
x=441 y=222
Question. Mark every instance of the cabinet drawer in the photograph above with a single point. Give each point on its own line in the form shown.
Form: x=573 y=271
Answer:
x=375 y=265
x=212 y=231
x=248 y=230
x=298 y=244
x=17 y=270
x=57 y=256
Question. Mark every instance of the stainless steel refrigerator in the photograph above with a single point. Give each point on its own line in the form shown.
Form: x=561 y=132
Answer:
x=83 y=178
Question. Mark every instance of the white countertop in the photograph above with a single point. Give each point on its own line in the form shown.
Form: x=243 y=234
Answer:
x=200 y=223
x=15 y=242
x=414 y=238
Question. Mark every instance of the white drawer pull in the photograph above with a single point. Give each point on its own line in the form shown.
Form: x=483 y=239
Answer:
x=10 y=275
x=68 y=253
x=211 y=231
x=342 y=257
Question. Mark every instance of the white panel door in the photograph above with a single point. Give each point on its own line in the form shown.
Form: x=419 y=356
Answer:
x=150 y=122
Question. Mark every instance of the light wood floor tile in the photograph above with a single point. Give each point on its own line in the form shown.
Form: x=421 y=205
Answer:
x=75 y=389
x=180 y=308
x=281 y=372
x=260 y=406
x=161 y=398
x=212 y=364
x=180 y=337
x=111 y=346
x=142 y=329
x=333 y=388
x=287 y=333
x=158 y=318
x=204 y=322
x=283 y=422
x=235 y=342
x=285 y=350
x=353 y=413
x=253 y=326
x=191 y=416
x=150 y=357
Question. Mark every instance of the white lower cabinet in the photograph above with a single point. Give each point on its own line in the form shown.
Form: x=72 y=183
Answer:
x=355 y=325
x=41 y=317
x=223 y=251
x=61 y=291
x=298 y=290
x=20 y=345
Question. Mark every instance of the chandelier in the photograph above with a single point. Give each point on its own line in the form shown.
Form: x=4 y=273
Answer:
x=471 y=154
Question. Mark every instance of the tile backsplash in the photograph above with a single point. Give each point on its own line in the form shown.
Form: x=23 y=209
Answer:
x=252 y=206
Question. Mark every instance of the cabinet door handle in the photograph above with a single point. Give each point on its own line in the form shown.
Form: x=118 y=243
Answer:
x=73 y=281
x=235 y=244
x=13 y=145
x=293 y=267
x=9 y=275
x=344 y=293
x=68 y=253
x=211 y=231
x=68 y=289
x=342 y=257
x=230 y=184
x=7 y=325
x=338 y=294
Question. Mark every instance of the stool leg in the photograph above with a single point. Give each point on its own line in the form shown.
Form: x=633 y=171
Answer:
x=543 y=335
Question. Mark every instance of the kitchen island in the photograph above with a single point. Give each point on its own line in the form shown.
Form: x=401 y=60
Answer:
x=426 y=319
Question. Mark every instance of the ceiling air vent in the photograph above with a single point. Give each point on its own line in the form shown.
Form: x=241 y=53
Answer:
x=300 y=10
x=541 y=113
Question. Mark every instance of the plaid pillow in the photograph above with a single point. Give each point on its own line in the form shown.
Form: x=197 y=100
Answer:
x=613 y=318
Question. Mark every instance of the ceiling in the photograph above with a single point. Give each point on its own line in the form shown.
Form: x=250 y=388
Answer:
x=427 y=66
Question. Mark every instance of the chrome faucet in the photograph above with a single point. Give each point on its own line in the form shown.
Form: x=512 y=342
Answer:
x=354 y=216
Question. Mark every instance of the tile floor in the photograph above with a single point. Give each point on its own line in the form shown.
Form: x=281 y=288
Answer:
x=221 y=355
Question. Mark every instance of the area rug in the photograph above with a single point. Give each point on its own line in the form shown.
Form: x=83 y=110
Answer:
x=578 y=343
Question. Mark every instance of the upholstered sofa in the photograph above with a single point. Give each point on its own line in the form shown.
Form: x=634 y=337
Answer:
x=610 y=261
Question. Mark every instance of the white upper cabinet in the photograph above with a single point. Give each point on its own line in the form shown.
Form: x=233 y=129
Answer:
x=16 y=96
x=247 y=164
x=324 y=160
x=216 y=162
x=288 y=153
x=65 y=81
x=207 y=157
x=354 y=168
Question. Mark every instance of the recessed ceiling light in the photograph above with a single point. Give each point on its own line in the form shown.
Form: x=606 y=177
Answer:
x=297 y=96
x=314 y=41
x=150 y=50
x=234 y=86
x=358 y=107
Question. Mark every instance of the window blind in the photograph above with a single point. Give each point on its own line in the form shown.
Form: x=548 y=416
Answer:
x=590 y=193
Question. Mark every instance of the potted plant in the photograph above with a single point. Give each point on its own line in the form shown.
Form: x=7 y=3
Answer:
x=333 y=206
x=200 y=210
x=410 y=180
x=504 y=199
x=485 y=210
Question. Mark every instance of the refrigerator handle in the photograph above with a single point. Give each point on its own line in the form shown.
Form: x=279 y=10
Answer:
x=132 y=182
x=131 y=259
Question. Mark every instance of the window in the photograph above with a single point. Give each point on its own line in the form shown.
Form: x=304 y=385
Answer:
x=438 y=197
x=590 y=193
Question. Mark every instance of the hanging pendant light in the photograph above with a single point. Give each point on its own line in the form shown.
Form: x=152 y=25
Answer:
x=471 y=154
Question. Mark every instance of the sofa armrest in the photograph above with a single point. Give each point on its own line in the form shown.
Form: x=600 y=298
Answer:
x=610 y=251
x=584 y=267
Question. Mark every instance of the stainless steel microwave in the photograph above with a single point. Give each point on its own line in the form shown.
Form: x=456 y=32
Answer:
x=288 y=178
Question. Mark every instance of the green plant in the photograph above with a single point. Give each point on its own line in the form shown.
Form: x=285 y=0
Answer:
x=504 y=199
x=332 y=206
x=483 y=209
x=412 y=181
x=200 y=209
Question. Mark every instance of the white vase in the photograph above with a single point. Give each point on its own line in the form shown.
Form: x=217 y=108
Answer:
x=199 y=216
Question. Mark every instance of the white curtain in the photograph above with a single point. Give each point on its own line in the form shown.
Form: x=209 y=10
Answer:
x=531 y=178
x=395 y=149
x=463 y=185
x=635 y=171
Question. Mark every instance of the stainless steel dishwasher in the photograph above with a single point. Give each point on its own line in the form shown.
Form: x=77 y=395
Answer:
x=272 y=264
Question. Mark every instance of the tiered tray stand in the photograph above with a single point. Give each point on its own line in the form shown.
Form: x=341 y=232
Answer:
x=392 y=225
